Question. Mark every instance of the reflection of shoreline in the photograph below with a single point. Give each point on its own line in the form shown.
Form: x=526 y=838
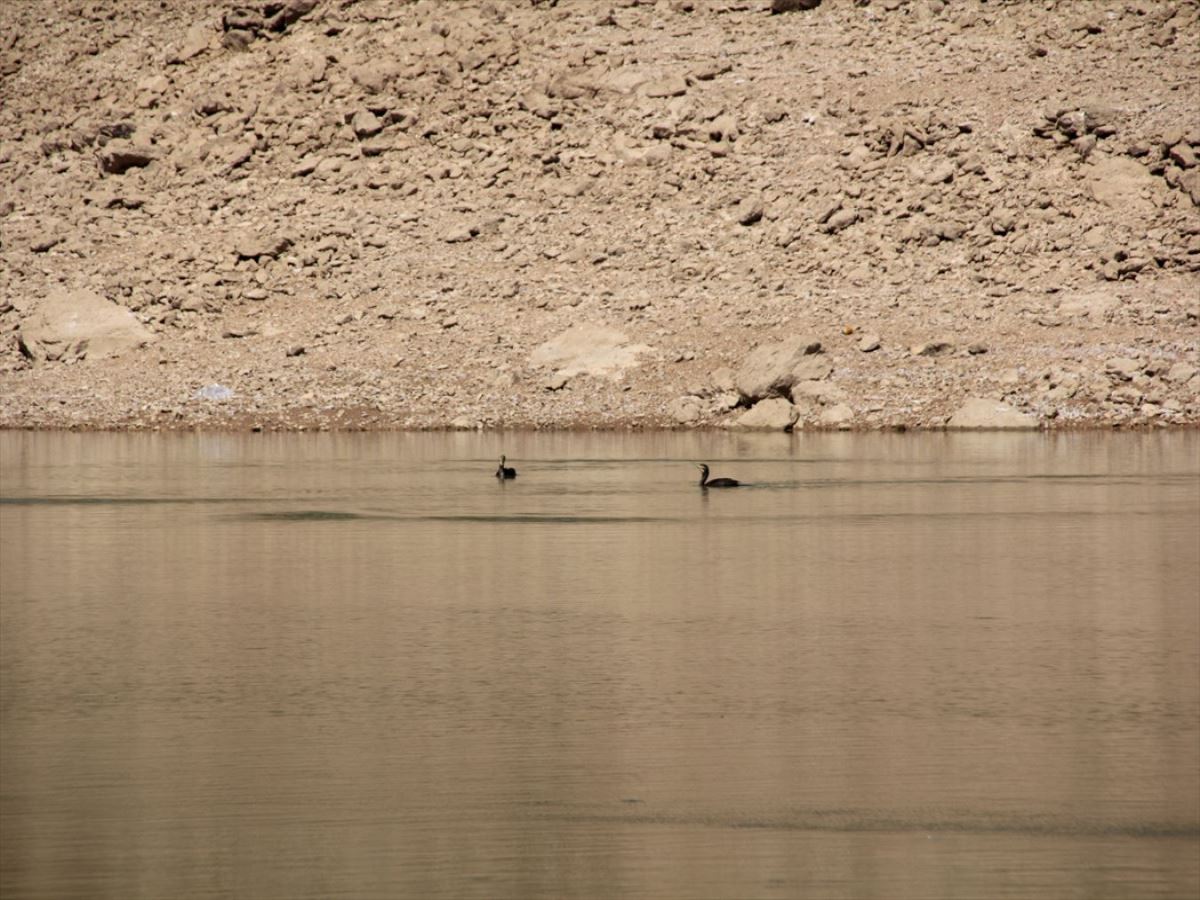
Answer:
x=866 y=821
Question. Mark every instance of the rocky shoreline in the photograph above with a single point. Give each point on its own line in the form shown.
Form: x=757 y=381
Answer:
x=317 y=214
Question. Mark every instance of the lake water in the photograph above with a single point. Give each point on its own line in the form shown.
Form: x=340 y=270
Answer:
x=315 y=666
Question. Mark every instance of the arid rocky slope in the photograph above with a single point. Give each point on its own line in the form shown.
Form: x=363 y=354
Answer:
x=375 y=213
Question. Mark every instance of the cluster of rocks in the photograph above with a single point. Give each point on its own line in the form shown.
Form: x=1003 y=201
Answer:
x=246 y=22
x=1080 y=126
x=526 y=213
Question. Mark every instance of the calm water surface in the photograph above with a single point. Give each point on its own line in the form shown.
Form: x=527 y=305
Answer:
x=960 y=666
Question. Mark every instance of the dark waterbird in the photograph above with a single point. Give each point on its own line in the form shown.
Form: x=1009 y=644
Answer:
x=505 y=471
x=716 y=482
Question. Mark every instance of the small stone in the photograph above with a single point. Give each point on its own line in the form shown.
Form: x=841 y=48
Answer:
x=458 y=235
x=1084 y=145
x=976 y=349
x=555 y=381
x=869 y=343
x=671 y=86
x=254 y=246
x=118 y=157
x=840 y=220
x=366 y=124
x=941 y=173
x=1003 y=221
x=826 y=210
x=1183 y=155
x=951 y=231
x=783 y=6
x=43 y=242
x=239 y=330
x=750 y=211
x=933 y=348
x=295 y=350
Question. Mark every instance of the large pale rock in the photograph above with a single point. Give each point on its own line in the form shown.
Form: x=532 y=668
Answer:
x=769 y=369
x=818 y=391
x=80 y=324
x=977 y=412
x=588 y=350
x=773 y=414
x=684 y=409
x=1123 y=184
x=837 y=415
x=812 y=368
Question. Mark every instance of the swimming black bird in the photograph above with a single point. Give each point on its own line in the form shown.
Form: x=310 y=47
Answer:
x=716 y=482
x=505 y=471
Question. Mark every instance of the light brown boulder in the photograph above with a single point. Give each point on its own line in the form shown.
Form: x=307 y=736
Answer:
x=1123 y=184
x=837 y=415
x=684 y=409
x=769 y=369
x=981 y=413
x=939 y=347
x=812 y=368
x=80 y=324
x=588 y=350
x=773 y=414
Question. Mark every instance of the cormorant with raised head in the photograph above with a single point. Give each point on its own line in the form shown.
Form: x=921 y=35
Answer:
x=716 y=482
x=505 y=471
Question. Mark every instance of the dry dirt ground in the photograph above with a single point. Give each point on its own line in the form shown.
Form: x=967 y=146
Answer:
x=386 y=214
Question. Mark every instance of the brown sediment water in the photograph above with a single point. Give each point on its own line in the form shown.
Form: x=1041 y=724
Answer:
x=912 y=666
